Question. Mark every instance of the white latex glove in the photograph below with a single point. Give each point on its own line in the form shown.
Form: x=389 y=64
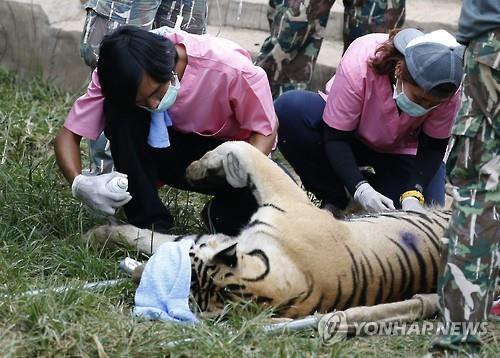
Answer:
x=412 y=204
x=92 y=190
x=371 y=200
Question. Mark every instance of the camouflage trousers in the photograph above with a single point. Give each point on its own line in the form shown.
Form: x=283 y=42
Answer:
x=297 y=30
x=471 y=255
x=164 y=13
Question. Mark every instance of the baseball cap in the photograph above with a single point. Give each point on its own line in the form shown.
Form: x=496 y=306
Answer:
x=432 y=59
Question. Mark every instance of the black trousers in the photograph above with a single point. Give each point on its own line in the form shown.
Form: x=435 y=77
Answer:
x=127 y=130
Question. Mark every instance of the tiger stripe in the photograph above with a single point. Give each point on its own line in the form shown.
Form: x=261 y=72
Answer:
x=269 y=205
x=296 y=257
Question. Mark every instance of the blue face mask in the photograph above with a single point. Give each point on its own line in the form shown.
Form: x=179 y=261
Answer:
x=168 y=99
x=408 y=106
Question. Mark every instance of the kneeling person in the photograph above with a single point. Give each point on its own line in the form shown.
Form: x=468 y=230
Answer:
x=390 y=106
x=213 y=93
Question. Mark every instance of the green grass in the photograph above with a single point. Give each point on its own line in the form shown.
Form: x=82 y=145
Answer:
x=40 y=247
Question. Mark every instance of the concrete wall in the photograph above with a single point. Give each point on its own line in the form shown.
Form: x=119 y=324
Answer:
x=41 y=37
x=34 y=44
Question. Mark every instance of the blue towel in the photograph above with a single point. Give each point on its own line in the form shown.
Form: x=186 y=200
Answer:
x=163 y=293
x=158 y=132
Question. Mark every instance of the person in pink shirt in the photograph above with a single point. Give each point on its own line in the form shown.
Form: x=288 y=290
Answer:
x=390 y=106
x=164 y=100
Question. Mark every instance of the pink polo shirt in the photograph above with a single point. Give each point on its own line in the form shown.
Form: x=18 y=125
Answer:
x=222 y=94
x=359 y=99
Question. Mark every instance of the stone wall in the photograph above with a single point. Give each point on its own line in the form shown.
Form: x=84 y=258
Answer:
x=41 y=38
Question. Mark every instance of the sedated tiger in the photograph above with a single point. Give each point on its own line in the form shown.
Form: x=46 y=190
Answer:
x=292 y=255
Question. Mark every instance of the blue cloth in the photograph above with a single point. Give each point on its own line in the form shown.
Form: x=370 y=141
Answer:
x=163 y=293
x=158 y=132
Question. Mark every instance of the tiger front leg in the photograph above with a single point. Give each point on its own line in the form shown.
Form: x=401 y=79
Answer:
x=241 y=165
x=129 y=236
x=219 y=165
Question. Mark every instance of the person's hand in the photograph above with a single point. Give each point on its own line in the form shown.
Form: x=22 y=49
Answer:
x=412 y=204
x=371 y=200
x=94 y=192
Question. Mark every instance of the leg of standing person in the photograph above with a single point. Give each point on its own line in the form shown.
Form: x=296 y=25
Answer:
x=94 y=29
x=471 y=246
x=362 y=17
x=288 y=55
x=193 y=12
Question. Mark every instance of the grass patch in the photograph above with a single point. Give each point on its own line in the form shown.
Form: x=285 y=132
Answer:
x=40 y=247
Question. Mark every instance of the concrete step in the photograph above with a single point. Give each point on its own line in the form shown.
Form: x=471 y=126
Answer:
x=251 y=40
x=427 y=15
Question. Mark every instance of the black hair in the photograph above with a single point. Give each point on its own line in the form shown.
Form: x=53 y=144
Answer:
x=124 y=56
x=387 y=57
x=443 y=90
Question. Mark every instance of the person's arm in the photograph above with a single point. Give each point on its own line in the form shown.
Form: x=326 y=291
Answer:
x=262 y=142
x=252 y=104
x=430 y=153
x=67 y=151
x=341 y=158
x=93 y=190
x=338 y=149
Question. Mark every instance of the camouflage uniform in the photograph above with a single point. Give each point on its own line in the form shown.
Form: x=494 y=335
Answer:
x=103 y=16
x=298 y=27
x=470 y=254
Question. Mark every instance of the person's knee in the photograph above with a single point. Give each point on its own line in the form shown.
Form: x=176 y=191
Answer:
x=287 y=106
x=434 y=192
x=291 y=114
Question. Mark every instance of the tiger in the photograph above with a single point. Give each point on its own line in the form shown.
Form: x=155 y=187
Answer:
x=293 y=256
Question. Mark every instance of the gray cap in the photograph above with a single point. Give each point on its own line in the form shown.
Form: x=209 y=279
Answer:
x=432 y=59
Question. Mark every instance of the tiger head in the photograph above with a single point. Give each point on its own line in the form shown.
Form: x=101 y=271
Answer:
x=227 y=269
x=223 y=268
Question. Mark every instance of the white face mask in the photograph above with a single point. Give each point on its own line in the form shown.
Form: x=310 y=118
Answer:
x=407 y=105
x=168 y=98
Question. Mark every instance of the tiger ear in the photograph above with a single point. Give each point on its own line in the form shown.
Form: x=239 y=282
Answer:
x=227 y=256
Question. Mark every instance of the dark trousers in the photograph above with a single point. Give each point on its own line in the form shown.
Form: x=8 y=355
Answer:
x=127 y=130
x=300 y=140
